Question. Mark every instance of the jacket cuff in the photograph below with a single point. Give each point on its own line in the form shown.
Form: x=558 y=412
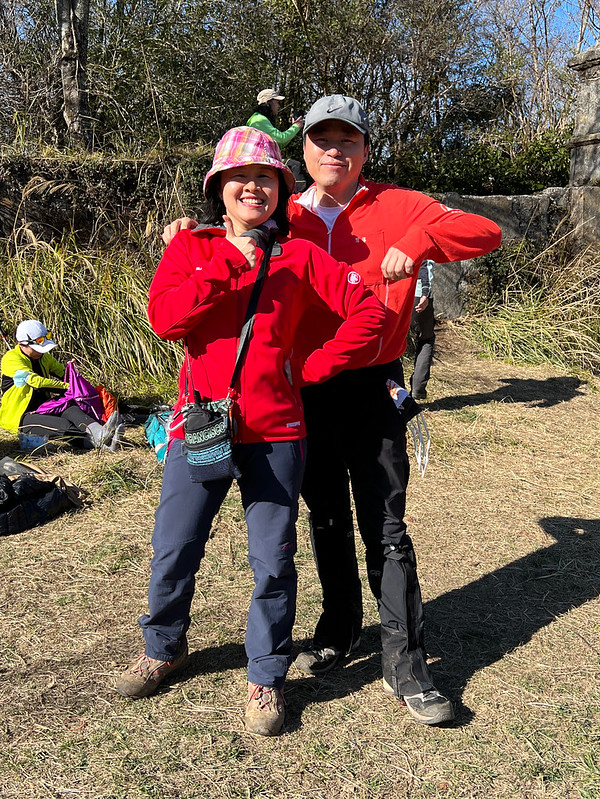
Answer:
x=416 y=244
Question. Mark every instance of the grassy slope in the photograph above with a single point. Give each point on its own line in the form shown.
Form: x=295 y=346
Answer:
x=506 y=527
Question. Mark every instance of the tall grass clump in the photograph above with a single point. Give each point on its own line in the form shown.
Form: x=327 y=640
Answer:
x=548 y=312
x=94 y=303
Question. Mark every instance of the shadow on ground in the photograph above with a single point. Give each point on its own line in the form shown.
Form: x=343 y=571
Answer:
x=536 y=393
x=468 y=628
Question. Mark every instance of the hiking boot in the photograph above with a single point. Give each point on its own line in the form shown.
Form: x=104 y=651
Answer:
x=265 y=710
x=429 y=707
x=97 y=435
x=115 y=444
x=320 y=661
x=144 y=674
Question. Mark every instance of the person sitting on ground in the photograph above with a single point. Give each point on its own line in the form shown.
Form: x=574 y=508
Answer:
x=265 y=114
x=30 y=374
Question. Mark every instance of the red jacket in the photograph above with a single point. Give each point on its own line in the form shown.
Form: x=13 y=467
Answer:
x=378 y=217
x=201 y=291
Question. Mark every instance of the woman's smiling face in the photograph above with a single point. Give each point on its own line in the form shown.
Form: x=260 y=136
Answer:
x=250 y=194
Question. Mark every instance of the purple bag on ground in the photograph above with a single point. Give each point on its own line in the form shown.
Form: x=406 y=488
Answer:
x=80 y=392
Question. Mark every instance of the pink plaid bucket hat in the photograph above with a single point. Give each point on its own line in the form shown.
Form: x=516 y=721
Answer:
x=243 y=146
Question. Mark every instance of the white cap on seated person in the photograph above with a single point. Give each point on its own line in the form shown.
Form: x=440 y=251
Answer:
x=34 y=334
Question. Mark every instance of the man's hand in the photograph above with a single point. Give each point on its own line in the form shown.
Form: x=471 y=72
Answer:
x=396 y=265
x=422 y=304
x=179 y=224
x=245 y=244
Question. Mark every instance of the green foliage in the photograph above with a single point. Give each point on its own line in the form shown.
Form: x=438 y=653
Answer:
x=444 y=88
x=98 y=197
x=515 y=167
x=95 y=305
x=549 y=312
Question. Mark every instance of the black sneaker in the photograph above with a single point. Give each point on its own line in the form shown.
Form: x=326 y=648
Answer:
x=320 y=661
x=429 y=707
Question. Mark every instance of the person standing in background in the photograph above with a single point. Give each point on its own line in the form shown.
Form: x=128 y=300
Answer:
x=265 y=114
x=264 y=118
x=422 y=326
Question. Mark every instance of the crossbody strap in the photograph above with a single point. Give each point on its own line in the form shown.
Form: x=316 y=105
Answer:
x=246 y=327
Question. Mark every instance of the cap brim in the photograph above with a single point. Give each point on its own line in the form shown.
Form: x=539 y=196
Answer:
x=45 y=347
x=332 y=118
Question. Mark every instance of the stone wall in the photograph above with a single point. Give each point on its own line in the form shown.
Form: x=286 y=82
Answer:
x=536 y=217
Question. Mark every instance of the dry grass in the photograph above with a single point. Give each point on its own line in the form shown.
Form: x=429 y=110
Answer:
x=506 y=524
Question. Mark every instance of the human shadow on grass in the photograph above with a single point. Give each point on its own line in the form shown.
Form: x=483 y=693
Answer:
x=468 y=628
x=474 y=626
x=536 y=393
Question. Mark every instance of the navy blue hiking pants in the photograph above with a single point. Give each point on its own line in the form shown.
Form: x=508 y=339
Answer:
x=269 y=487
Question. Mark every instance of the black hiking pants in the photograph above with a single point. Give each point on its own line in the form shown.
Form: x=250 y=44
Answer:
x=356 y=437
x=70 y=425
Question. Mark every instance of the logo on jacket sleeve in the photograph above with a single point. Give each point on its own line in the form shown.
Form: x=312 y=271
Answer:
x=353 y=278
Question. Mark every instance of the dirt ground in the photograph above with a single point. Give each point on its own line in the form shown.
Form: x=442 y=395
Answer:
x=506 y=525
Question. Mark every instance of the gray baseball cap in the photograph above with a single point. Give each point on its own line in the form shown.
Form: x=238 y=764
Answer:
x=337 y=106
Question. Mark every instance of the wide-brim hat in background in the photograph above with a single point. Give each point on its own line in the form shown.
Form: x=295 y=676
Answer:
x=243 y=146
x=266 y=95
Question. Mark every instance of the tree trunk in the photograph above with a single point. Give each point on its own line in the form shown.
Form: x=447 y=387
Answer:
x=73 y=20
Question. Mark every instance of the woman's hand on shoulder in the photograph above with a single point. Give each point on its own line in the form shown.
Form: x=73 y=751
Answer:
x=245 y=245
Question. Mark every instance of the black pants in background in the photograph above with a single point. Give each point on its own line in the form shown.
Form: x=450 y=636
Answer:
x=70 y=425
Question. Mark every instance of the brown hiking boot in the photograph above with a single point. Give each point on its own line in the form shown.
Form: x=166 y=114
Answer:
x=265 y=710
x=145 y=674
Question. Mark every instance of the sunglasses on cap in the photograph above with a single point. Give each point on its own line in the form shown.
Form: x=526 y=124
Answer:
x=38 y=340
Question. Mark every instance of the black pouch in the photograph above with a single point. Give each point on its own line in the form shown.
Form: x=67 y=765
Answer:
x=207 y=438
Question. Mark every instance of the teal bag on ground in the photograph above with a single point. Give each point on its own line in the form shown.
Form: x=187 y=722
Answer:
x=156 y=428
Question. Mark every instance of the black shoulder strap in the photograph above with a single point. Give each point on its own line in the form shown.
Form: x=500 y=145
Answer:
x=251 y=310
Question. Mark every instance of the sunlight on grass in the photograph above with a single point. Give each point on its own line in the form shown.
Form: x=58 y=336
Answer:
x=549 y=313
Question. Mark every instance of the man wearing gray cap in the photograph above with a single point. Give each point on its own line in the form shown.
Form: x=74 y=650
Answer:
x=356 y=436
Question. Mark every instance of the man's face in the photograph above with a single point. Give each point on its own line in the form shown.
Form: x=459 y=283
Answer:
x=334 y=153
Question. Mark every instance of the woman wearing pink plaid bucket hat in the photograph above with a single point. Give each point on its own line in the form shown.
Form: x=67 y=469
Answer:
x=200 y=293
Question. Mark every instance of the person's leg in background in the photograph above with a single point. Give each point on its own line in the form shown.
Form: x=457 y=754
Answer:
x=72 y=425
x=423 y=328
